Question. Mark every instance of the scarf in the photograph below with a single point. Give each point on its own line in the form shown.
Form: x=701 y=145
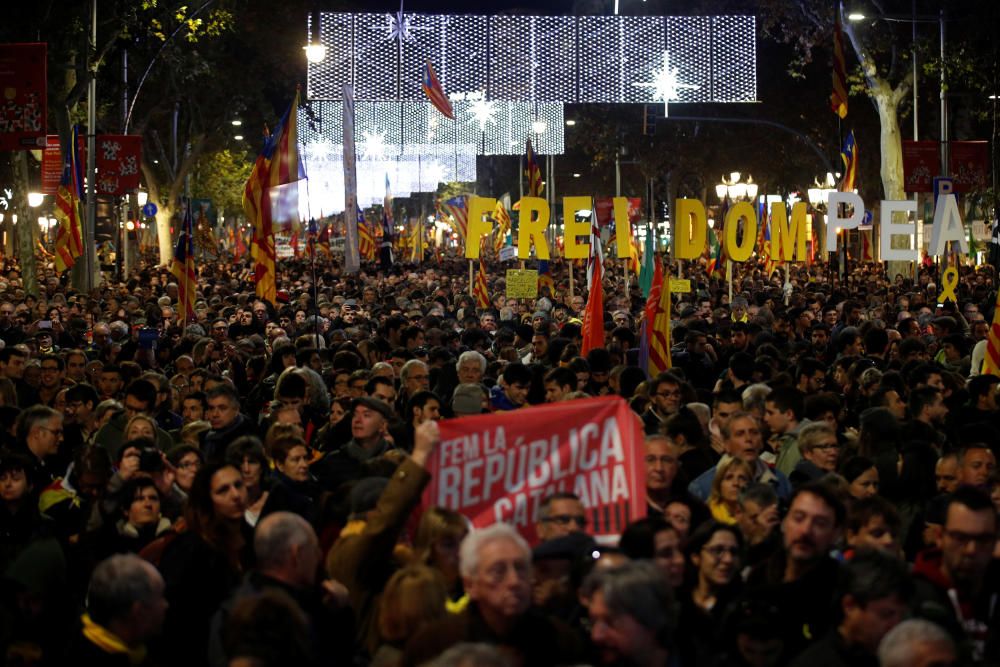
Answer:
x=109 y=642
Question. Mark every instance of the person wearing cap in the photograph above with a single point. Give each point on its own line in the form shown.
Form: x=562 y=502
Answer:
x=369 y=421
x=469 y=399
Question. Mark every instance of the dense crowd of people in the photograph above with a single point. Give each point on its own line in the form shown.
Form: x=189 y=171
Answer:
x=245 y=488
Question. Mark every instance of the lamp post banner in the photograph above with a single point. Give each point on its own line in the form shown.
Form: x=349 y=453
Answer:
x=23 y=110
x=501 y=466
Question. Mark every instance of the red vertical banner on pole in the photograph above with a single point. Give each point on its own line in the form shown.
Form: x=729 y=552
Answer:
x=52 y=165
x=499 y=467
x=23 y=109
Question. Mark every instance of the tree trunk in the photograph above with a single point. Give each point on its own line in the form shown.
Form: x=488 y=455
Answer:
x=164 y=215
x=27 y=225
x=891 y=167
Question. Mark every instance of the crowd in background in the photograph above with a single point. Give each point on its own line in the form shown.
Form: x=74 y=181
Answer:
x=244 y=488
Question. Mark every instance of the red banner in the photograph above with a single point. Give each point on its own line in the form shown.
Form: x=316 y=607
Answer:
x=52 y=165
x=500 y=467
x=605 y=210
x=118 y=159
x=921 y=163
x=969 y=165
x=22 y=110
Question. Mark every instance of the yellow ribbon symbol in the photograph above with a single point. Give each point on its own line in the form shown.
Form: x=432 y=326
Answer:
x=949 y=281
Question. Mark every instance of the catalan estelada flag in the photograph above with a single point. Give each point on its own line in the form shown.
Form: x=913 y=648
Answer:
x=458 y=209
x=838 y=98
x=69 y=239
x=182 y=268
x=434 y=91
x=278 y=164
x=991 y=362
x=849 y=156
x=534 y=174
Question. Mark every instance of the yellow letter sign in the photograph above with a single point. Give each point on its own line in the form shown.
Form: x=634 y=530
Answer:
x=532 y=228
x=741 y=252
x=574 y=230
x=691 y=231
x=479 y=226
x=787 y=238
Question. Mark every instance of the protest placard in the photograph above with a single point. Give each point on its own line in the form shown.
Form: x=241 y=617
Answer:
x=522 y=284
x=500 y=467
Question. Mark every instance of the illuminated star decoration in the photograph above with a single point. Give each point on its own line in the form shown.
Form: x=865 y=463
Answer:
x=435 y=174
x=482 y=110
x=665 y=84
x=399 y=26
x=373 y=146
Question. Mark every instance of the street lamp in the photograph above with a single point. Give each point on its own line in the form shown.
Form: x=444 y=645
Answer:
x=735 y=188
x=35 y=199
x=141 y=197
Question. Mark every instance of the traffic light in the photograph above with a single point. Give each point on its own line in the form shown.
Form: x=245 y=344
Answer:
x=648 y=120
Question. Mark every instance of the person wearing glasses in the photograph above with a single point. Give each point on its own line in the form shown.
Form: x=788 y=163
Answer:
x=820 y=453
x=715 y=556
x=665 y=399
x=39 y=434
x=51 y=381
x=957 y=584
x=560 y=515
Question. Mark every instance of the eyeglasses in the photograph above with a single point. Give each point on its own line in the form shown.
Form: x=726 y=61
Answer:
x=981 y=539
x=827 y=445
x=717 y=551
x=566 y=519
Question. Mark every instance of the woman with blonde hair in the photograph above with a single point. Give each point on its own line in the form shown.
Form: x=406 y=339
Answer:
x=140 y=426
x=413 y=597
x=436 y=543
x=731 y=477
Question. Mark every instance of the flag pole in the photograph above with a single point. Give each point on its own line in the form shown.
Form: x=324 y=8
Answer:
x=729 y=279
x=470 y=277
x=569 y=264
x=187 y=278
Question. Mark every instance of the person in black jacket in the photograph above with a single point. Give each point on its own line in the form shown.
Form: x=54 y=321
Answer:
x=203 y=564
x=125 y=608
x=873 y=599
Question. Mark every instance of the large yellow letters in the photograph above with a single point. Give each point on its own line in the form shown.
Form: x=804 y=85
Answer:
x=691 y=231
x=574 y=230
x=741 y=252
x=534 y=219
x=479 y=226
x=787 y=238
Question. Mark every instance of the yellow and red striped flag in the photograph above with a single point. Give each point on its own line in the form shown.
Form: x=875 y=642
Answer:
x=991 y=361
x=838 y=98
x=534 y=174
x=659 y=332
x=69 y=239
x=278 y=164
x=849 y=156
x=182 y=267
x=458 y=209
x=366 y=241
x=479 y=287
x=502 y=218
